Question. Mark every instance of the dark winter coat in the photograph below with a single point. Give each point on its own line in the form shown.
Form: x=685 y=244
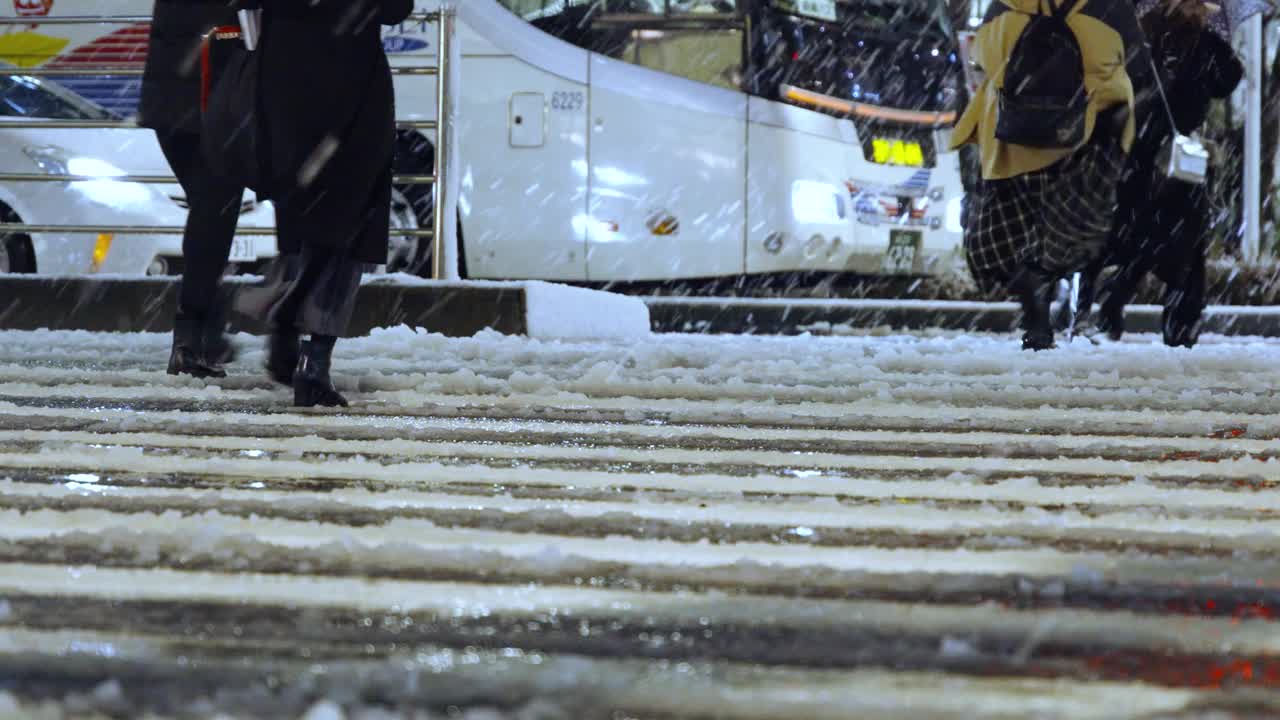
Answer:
x=1155 y=212
x=1161 y=223
x=171 y=81
x=328 y=108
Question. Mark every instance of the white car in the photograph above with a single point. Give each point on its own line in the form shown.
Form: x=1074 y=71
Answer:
x=103 y=201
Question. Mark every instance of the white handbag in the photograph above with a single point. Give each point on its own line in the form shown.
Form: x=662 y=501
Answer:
x=1184 y=157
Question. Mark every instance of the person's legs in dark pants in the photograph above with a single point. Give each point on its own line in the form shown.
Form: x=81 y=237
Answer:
x=1184 y=303
x=308 y=301
x=319 y=305
x=1121 y=289
x=200 y=348
x=1181 y=267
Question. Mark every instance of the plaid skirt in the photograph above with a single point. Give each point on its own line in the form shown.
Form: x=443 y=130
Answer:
x=1058 y=218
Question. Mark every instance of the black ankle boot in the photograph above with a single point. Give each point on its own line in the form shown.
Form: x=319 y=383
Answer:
x=1035 y=289
x=312 y=385
x=199 y=347
x=282 y=355
x=1111 y=320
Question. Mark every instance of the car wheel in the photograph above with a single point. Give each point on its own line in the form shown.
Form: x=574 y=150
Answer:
x=412 y=206
x=408 y=253
x=17 y=255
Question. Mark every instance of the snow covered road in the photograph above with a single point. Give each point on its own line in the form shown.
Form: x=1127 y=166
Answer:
x=923 y=526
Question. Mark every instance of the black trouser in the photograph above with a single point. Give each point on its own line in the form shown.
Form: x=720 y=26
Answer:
x=211 y=221
x=1169 y=240
x=313 y=292
x=317 y=290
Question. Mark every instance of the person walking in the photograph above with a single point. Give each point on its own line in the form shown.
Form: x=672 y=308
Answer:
x=1053 y=118
x=1162 y=222
x=170 y=105
x=328 y=118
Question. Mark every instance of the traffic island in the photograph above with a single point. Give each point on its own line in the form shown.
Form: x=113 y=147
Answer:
x=455 y=309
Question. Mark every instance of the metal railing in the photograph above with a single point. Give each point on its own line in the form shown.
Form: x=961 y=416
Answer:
x=444 y=187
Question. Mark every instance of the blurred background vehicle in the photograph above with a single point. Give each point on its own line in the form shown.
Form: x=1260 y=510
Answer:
x=102 y=160
x=651 y=140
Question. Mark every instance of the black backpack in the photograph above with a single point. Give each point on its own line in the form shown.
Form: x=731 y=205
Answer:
x=1044 y=102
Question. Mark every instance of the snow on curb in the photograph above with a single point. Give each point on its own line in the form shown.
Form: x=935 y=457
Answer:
x=561 y=312
x=557 y=312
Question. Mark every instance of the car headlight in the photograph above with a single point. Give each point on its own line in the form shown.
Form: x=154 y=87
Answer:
x=102 y=188
x=55 y=160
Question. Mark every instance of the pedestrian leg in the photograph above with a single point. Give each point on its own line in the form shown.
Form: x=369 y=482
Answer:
x=332 y=282
x=200 y=346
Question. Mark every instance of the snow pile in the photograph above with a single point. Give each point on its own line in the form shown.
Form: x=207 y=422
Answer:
x=554 y=311
x=570 y=313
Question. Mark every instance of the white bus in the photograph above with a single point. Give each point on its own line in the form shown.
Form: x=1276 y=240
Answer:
x=651 y=140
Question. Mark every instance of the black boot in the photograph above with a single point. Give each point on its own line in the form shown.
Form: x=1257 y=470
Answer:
x=312 y=385
x=217 y=343
x=1181 y=327
x=1035 y=289
x=282 y=354
x=199 y=347
x=1111 y=319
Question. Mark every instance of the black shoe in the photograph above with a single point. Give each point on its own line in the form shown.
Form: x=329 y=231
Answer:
x=1180 y=333
x=200 y=348
x=1111 y=320
x=312 y=385
x=282 y=355
x=1035 y=290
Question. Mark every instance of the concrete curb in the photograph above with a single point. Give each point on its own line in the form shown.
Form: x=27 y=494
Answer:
x=148 y=305
x=794 y=316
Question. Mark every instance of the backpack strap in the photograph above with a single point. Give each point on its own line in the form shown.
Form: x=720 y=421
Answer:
x=1063 y=10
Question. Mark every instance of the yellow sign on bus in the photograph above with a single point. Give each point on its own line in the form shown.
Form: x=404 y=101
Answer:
x=897 y=152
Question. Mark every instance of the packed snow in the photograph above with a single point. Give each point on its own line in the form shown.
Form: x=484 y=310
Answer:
x=648 y=525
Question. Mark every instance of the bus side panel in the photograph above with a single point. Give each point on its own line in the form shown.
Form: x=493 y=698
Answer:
x=944 y=248
x=524 y=192
x=798 y=211
x=668 y=172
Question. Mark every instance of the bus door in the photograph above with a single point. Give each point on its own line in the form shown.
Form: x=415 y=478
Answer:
x=668 y=149
x=522 y=139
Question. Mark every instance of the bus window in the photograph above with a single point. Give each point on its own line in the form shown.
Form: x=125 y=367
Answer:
x=713 y=57
x=885 y=59
x=700 y=40
x=876 y=61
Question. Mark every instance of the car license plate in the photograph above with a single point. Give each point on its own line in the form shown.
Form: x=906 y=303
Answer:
x=900 y=258
x=243 y=250
x=886 y=151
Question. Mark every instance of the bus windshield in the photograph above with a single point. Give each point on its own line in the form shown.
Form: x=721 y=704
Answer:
x=888 y=60
x=893 y=60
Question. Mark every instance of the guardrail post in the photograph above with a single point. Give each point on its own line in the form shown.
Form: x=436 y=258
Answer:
x=1251 y=241
x=445 y=237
